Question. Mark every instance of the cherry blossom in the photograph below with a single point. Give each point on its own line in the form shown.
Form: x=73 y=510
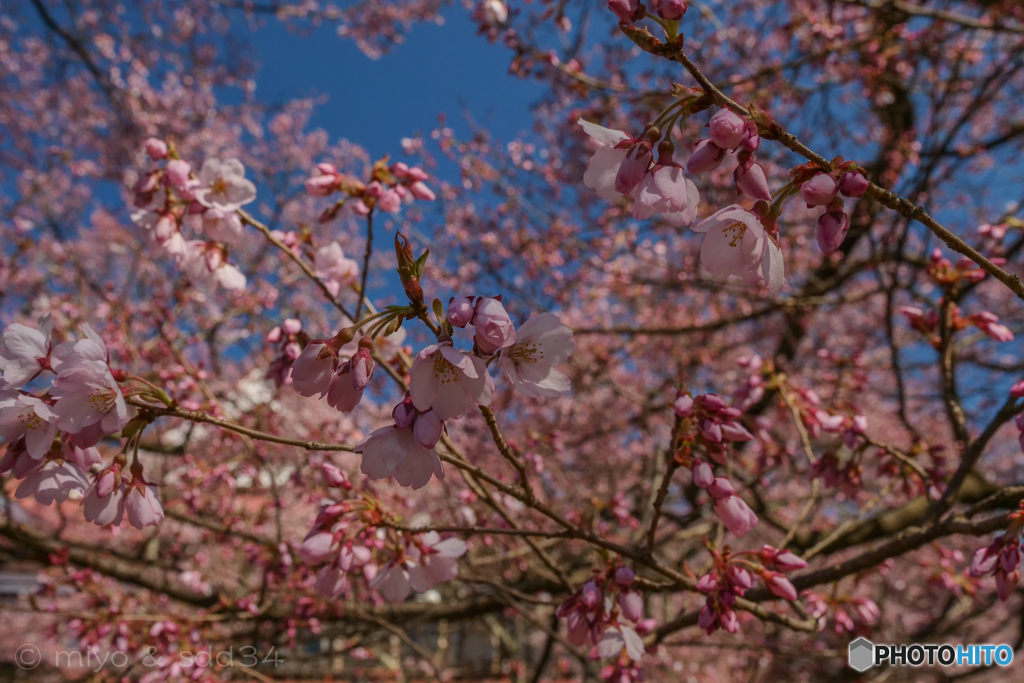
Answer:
x=394 y=452
x=543 y=342
x=331 y=266
x=735 y=243
x=448 y=381
x=24 y=352
x=222 y=185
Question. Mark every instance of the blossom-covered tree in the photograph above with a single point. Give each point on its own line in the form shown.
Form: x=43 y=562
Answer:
x=713 y=371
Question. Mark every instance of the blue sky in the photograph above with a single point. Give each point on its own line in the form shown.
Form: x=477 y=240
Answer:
x=376 y=103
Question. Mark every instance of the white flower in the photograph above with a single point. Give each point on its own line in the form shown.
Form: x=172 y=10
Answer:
x=21 y=348
x=222 y=185
x=544 y=341
x=449 y=382
x=666 y=190
x=54 y=483
x=222 y=226
x=205 y=266
x=735 y=243
x=439 y=564
x=390 y=451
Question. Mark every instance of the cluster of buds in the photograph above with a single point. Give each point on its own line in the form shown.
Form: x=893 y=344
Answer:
x=339 y=540
x=818 y=188
x=492 y=324
x=600 y=612
x=731 y=578
x=1001 y=558
x=319 y=371
x=851 y=614
x=946 y=273
x=727 y=132
x=166 y=195
x=928 y=323
x=709 y=423
x=632 y=11
x=289 y=340
x=388 y=188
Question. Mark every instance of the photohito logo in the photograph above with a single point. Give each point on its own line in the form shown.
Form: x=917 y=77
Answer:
x=864 y=654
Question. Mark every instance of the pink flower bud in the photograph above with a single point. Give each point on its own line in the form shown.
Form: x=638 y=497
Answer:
x=703 y=475
x=177 y=172
x=156 y=148
x=721 y=487
x=317 y=547
x=730 y=622
x=819 y=190
x=624 y=576
x=390 y=202
x=735 y=514
x=752 y=182
x=374 y=189
x=710 y=430
x=416 y=174
x=707 y=583
x=404 y=413
x=591 y=594
x=460 y=311
x=334 y=477
x=326 y=168
x=706 y=618
x=420 y=190
x=625 y=10
x=291 y=326
x=684 y=406
x=494 y=329
x=780 y=586
x=706 y=157
x=1005 y=583
x=361 y=365
x=733 y=431
x=321 y=185
x=427 y=429
x=669 y=9
x=632 y=604
x=740 y=578
x=853 y=184
x=789 y=562
x=727 y=129
x=274 y=335
x=831 y=230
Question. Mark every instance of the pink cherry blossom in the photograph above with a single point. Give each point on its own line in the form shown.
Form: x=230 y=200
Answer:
x=736 y=515
x=667 y=191
x=24 y=352
x=448 y=381
x=669 y=9
x=222 y=185
x=735 y=243
x=28 y=417
x=494 y=11
x=54 y=482
x=313 y=370
x=87 y=394
x=334 y=268
x=222 y=226
x=543 y=342
x=751 y=181
x=853 y=184
x=393 y=452
x=155 y=148
x=460 y=311
x=103 y=503
x=621 y=638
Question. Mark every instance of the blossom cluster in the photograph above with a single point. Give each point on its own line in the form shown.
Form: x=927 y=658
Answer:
x=346 y=538
x=607 y=612
x=731 y=578
x=388 y=188
x=169 y=195
x=51 y=433
x=1001 y=558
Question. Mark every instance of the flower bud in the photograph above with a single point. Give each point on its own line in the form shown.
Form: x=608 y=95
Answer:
x=334 y=477
x=632 y=169
x=727 y=129
x=177 y=172
x=427 y=429
x=669 y=9
x=706 y=157
x=831 y=230
x=460 y=311
x=703 y=475
x=853 y=184
x=819 y=190
x=684 y=406
x=721 y=487
x=156 y=148
x=632 y=605
x=624 y=576
x=752 y=182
